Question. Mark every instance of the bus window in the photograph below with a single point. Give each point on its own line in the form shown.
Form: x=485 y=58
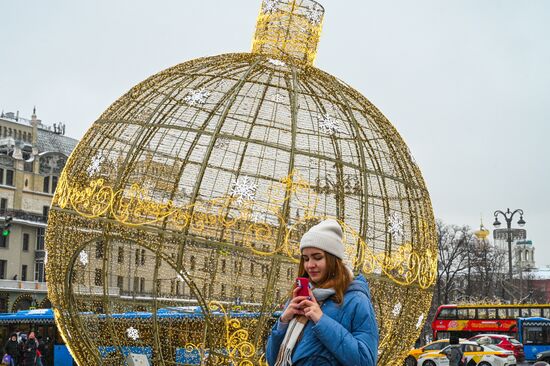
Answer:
x=447 y=313
x=546 y=313
x=535 y=335
x=462 y=313
x=525 y=312
x=492 y=313
x=536 y=312
x=513 y=313
x=471 y=313
x=482 y=313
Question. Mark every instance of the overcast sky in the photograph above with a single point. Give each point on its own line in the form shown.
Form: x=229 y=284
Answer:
x=466 y=82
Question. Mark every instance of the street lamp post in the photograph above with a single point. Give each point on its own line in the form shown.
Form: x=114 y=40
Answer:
x=508 y=215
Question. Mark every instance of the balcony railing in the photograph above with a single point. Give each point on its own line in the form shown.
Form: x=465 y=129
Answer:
x=16 y=285
x=24 y=215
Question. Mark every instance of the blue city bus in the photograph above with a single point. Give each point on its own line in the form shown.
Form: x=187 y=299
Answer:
x=42 y=322
x=534 y=334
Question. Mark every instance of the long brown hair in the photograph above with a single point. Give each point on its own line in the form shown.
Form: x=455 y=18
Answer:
x=337 y=276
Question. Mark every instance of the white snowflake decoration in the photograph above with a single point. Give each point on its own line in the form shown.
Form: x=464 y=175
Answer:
x=271 y=6
x=45 y=257
x=95 y=165
x=244 y=189
x=396 y=226
x=314 y=15
x=276 y=62
x=132 y=333
x=397 y=309
x=221 y=143
x=420 y=321
x=83 y=258
x=278 y=97
x=196 y=97
x=328 y=124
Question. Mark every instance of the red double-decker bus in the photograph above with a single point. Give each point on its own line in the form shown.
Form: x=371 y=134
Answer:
x=465 y=321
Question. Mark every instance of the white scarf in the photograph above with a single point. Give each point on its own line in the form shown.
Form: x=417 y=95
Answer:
x=295 y=328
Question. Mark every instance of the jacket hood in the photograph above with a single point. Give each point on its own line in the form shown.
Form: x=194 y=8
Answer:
x=360 y=284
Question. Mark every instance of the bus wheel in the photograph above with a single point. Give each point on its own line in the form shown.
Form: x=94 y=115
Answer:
x=484 y=364
x=410 y=361
x=428 y=363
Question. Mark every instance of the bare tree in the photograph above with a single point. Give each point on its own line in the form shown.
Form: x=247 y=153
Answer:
x=453 y=245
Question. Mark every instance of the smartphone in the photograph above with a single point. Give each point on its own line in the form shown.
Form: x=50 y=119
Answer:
x=303 y=284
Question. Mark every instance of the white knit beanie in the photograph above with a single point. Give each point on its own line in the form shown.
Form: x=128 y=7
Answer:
x=326 y=235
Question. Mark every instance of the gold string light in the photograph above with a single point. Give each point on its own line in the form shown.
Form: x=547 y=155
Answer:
x=175 y=227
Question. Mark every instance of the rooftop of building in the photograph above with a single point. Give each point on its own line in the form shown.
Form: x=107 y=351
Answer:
x=49 y=138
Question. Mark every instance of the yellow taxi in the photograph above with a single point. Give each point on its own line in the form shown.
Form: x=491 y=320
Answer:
x=474 y=353
x=414 y=354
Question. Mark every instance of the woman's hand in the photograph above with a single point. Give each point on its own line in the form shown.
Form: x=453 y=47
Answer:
x=293 y=307
x=311 y=308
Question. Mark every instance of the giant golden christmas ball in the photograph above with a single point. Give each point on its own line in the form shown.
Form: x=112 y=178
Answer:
x=175 y=226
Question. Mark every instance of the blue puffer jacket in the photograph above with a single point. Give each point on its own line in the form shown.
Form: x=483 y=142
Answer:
x=346 y=334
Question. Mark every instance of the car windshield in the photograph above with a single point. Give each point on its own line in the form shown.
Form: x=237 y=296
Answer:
x=514 y=341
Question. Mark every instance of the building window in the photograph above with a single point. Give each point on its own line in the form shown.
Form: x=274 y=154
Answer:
x=223 y=265
x=137 y=257
x=26 y=239
x=4 y=241
x=50 y=184
x=223 y=291
x=1 y=176
x=3 y=204
x=3 y=268
x=40 y=232
x=24 y=272
x=136 y=284
x=142 y=257
x=54 y=183
x=99 y=249
x=98 y=278
x=46 y=185
x=45 y=210
x=120 y=282
x=9 y=177
x=39 y=272
x=120 y=258
x=193 y=262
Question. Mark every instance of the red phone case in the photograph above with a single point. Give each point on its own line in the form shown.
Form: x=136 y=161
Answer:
x=303 y=284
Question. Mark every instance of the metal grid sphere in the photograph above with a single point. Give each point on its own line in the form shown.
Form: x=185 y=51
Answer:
x=195 y=187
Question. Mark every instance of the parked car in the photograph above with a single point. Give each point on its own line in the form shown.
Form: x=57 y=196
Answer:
x=489 y=355
x=504 y=341
x=413 y=355
x=544 y=356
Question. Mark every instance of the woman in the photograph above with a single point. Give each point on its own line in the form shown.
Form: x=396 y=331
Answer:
x=12 y=348
x=335 y=324
x=29 y=352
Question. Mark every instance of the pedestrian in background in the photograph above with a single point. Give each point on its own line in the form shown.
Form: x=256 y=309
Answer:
x=29 y=351
x=454 y=353
x=11 y=348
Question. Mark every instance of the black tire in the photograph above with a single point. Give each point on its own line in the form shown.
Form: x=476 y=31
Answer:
x=428 y=363
x=484 y=364
x=410 y=361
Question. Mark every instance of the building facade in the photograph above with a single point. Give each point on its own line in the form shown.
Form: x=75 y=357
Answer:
x=32 y=156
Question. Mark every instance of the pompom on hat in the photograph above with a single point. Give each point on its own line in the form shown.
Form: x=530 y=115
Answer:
x=326 y=235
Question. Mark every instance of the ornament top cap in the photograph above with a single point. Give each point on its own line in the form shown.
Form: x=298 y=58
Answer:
x=289 y=30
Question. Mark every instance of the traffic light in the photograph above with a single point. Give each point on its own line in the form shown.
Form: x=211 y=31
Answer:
x=6 y=227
